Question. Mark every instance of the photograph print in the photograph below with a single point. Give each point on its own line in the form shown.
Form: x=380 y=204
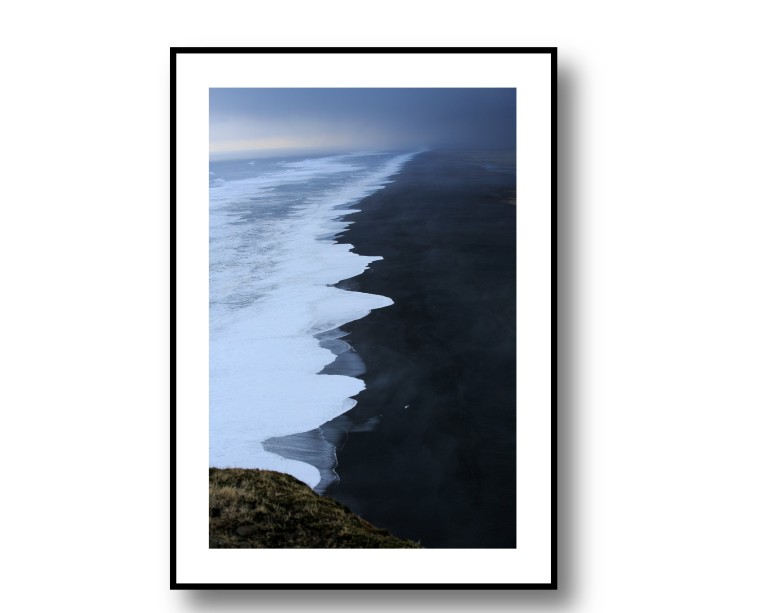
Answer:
x=364 y=343
x=362 y=317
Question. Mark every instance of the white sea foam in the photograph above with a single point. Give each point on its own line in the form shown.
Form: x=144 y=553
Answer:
x=272 y=271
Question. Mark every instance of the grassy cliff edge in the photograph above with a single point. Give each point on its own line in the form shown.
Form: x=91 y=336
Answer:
x=252 y=508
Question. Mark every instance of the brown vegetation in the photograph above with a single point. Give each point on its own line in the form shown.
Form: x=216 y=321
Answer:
x=264 y=509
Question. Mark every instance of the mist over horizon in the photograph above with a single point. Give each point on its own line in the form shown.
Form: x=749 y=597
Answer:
x=265 y=122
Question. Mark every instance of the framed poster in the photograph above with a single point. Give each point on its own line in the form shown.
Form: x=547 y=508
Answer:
x=363 y=333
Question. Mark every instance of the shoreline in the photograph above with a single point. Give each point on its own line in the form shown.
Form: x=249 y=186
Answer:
x=275 y=272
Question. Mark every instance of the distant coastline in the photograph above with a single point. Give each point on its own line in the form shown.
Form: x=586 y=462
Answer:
x=422 y=440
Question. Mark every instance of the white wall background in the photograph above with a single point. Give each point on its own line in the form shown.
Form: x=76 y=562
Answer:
x=662 y=312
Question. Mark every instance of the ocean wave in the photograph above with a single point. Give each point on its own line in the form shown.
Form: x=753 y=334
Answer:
x=273 y=263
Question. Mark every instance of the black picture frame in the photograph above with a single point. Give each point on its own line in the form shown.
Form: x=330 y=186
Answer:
x=548 y=53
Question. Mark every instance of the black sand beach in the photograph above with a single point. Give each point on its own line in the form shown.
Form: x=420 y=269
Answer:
x=439 y=465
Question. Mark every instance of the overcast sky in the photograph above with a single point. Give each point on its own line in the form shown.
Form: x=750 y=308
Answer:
x=248 y=122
